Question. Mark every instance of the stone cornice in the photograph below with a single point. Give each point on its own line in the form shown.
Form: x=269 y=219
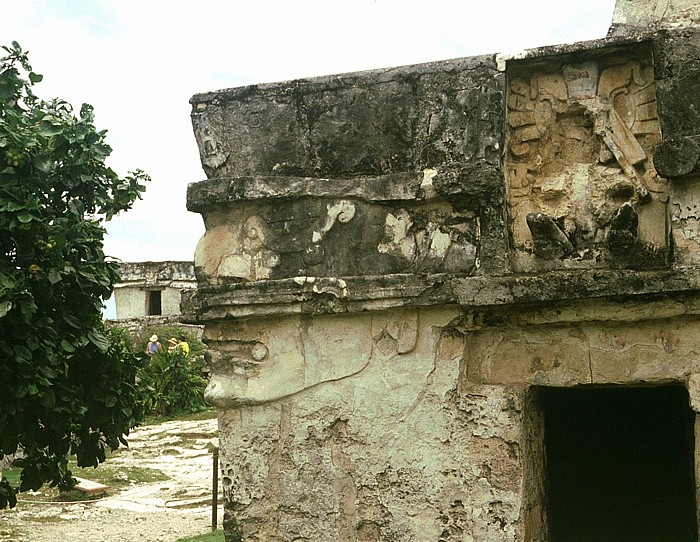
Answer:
x=324 y=295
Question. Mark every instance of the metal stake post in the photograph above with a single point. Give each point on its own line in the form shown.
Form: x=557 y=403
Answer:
x=215 y=487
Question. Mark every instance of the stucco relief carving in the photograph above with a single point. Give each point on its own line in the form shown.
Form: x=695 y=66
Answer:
x=211 y=151
x=239 y=251
x=281 y=357
x=433 y=246
x=341 y=212
x=325 y=238
x=580 y=141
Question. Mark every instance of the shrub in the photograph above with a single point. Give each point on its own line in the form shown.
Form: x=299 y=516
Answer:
x=175 y=383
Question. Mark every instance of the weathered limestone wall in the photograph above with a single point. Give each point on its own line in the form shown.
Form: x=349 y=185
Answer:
x=380 y=447
x=413 y=424
x=631 y=15
x=396 y=262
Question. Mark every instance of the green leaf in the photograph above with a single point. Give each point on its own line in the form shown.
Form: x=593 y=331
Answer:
x=47 y=129
x=48 y=372
x=43 y=164
x=14 y=206
x=47 y=399
x=54 y=276
x=6 y=90
x=67 y=346
x=99 y=340
x=72 y=321
x=23 y=352
x=24 y=217
x=5 y=307
x=35 y=77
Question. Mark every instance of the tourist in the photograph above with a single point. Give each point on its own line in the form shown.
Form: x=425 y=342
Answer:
x=182 y=345
x=153 y=346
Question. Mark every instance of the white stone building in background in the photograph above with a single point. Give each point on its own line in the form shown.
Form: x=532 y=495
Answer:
x=151 y=290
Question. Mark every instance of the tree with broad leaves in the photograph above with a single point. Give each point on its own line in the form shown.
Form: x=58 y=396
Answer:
x=66 y=385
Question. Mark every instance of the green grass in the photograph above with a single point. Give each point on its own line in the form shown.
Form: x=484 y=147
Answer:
x=216 y=536
x=114 y=476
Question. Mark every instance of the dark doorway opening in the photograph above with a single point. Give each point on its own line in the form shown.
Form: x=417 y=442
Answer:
x=619 y=464
x=154 y=307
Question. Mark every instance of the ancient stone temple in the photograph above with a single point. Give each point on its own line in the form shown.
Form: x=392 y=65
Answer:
x=460 y=301
x=152 y=290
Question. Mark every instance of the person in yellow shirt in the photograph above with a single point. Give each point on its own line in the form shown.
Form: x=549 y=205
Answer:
x=182 y=345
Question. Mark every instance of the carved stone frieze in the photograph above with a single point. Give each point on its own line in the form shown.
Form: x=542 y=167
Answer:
x=335 y=238
x=580 y=139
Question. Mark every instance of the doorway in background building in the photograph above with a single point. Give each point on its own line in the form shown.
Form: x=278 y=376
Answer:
x=154 y=305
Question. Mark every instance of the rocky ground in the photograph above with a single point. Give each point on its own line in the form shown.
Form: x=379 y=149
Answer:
x=178 y=453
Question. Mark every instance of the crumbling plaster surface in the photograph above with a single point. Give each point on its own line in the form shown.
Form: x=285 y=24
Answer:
x=685 y=216
x=411 y=424
x=392 y=450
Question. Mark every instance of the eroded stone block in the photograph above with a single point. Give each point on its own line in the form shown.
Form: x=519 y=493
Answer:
x=401 y=119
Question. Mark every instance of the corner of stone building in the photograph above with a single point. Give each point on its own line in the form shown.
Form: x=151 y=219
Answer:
x=405 y=270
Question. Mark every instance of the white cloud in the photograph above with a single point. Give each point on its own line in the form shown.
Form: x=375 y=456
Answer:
x=139 y=62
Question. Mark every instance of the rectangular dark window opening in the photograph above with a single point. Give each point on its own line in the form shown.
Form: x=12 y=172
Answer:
x=618 y=464
x=154 y=307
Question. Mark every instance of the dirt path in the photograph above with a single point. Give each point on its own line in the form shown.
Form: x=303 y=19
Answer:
x=161 y=511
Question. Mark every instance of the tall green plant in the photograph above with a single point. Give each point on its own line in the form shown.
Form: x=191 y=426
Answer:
x=66 y=385
x=175 y=383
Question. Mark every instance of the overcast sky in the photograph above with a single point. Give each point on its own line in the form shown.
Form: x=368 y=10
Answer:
x=139 y=61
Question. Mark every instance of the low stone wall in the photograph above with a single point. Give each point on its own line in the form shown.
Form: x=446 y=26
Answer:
x=142 y=326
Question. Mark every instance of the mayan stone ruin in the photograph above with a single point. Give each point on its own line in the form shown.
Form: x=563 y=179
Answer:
x=152 y=289
x=460 y=301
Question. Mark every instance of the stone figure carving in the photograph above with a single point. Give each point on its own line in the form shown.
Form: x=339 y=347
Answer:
x=212 y=154
x=580 y=138
x=238 y=252
x=550 y=240
x=251 y=259
x=342 y=211
x=434 y=247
